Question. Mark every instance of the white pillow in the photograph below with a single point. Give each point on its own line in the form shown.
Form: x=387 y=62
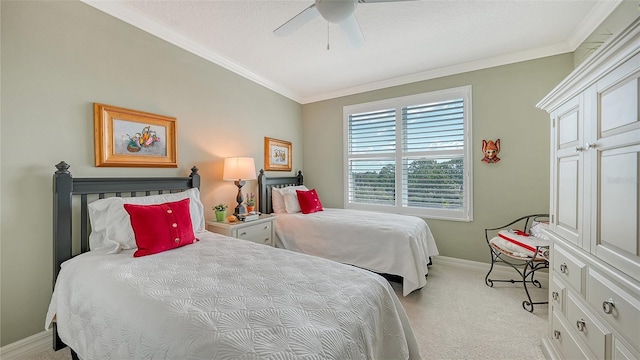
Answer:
x=98 y=218
x=278 y=203
x=113 y=227
x=291 y=203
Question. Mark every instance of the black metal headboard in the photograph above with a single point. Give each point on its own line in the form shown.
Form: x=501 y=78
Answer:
x=66 y=188
x=266 y=184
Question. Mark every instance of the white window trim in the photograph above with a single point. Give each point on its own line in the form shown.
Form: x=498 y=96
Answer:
x=463 y=92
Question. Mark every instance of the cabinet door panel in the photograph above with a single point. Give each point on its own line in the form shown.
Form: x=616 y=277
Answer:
x=619 y=106
x=568 y=129
x=619 y=199
x=568 y=207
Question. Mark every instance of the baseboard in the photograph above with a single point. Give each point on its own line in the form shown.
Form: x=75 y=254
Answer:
x=501 y=270
x=27 y=347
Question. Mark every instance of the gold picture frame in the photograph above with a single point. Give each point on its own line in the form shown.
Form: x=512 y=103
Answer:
x=277 y=155
x=131 y=138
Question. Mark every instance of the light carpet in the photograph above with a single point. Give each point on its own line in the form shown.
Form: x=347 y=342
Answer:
x=456 y=316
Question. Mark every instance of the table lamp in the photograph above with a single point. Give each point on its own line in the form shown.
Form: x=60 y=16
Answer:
x=239 y=169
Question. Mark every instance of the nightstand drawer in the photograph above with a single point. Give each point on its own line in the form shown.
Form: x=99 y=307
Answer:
x=259 y=233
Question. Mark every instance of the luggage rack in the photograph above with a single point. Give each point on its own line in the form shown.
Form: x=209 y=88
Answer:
x=526 y=266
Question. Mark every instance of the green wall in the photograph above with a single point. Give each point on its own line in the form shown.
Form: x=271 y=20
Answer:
x=58 y=57
x=504 y=100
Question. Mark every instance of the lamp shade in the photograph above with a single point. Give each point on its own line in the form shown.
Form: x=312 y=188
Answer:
x=239 y=168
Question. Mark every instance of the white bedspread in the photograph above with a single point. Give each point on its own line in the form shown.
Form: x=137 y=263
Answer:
x=384 y=243
x=225 y=298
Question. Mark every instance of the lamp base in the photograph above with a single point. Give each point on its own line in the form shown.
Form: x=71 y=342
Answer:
x=240 y=209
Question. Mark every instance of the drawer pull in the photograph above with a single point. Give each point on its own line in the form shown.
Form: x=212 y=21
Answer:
x=608 y=305
x=556 y=334
x=266 y=227
x=243 y=233
x=563 y=268
x=579 y=148
x=555 y=295
x=581 y=325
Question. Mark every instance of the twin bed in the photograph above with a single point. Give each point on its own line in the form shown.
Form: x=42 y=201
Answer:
x=391 y=244
x=215 y=298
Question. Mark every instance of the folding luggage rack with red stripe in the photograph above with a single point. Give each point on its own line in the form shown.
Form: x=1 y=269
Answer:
x=514 y=245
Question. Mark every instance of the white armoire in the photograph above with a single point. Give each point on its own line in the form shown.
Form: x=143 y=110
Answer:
x=594 y=290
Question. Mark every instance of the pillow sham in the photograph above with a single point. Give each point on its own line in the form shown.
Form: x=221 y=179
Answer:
x=161 y=227
x=111 y=226
x=309 y=201
x=278 y=202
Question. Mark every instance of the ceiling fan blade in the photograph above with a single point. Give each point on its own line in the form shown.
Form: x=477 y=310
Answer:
x=297 y=21
x=351 y=30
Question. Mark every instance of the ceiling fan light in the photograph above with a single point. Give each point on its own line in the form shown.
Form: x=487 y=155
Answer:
x=336 y=11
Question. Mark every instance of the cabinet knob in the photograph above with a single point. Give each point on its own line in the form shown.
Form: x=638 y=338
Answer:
x=554 y=295
x=243 y=233
x=579 y=148
x=556 y=334
x=563 y=268
x=590 y=145
x=608 y=305
x=580 y=324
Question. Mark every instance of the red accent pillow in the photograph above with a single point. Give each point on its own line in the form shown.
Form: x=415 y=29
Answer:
x=161 y=227
x=309 y=201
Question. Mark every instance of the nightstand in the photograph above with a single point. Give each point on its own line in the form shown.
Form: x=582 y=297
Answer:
x=259 y=231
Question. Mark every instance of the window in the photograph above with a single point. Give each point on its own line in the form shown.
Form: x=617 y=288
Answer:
x=426 y=137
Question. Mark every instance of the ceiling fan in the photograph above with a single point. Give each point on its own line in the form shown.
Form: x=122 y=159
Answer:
x=340 y=12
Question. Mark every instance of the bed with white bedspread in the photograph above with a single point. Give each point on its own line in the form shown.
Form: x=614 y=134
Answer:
x=215 y=298
x=384 y=243
x=222 y=298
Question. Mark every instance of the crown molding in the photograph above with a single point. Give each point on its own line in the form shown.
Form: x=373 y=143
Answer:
x=588 y=25
x=525 y=55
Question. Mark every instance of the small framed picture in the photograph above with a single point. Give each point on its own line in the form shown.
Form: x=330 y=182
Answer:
x=277 y=154
x=131 y=138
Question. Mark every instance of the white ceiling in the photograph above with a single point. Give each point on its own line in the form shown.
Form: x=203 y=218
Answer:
x=406 y=41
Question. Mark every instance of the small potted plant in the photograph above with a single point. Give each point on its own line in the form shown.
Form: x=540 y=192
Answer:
x=251 y=202
x=221 y=211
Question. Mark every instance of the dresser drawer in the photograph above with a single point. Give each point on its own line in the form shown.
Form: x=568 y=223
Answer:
x=569 y=269
x=591 y=331
x=565 y=342
x=615 y=305
x=557 y=293
x=259 y=233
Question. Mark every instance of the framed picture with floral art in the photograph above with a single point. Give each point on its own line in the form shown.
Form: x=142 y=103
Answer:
x=131 y=138
x=277 y=155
